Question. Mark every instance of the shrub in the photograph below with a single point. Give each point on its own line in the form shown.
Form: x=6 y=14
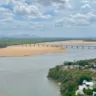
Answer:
x=88 y=91
x=84 y=77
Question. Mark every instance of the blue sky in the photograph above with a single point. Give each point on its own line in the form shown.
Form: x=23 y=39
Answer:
x=48 y=18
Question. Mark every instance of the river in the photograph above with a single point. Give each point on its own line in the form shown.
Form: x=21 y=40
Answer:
x=26 y=76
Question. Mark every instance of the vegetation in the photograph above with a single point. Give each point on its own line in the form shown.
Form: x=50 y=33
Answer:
x=88 y=91
x=17 y=41
x=81 y=63
x=3 y=45
x=4 y=42
x=71 y=79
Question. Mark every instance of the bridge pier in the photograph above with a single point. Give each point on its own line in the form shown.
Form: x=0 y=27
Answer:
x=77 y=47
x=61 y=46
x=82 y=47
x=66 y=46
x=72 y=47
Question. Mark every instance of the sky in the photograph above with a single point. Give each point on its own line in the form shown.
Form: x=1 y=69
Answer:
x=48 y=18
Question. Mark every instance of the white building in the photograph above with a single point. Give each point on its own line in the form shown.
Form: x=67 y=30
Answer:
x=89 y=85
x=85 y=85
x=94 y=93
x=71 y=67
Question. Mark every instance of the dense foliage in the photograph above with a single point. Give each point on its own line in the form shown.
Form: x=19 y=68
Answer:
x=71 y=79
x=81 y=63
x=3 y=45
x=88 y=91
x=18 y=40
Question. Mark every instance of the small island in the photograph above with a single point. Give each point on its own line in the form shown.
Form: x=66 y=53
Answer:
x=76 y=78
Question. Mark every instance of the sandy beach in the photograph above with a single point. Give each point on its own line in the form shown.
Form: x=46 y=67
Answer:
x=16 y=51
x=78 y=42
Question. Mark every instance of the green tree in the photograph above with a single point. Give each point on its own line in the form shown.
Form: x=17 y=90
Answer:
x=79 y=95
x=68 y=89
x=68 y=63
x=88 y=91
x=84 y=77
x=82 y=63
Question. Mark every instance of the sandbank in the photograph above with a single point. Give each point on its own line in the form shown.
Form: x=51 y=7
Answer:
x=78 y=42
x=19 y=50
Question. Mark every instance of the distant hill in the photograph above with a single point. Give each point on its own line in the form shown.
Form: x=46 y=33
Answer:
x=19 y=36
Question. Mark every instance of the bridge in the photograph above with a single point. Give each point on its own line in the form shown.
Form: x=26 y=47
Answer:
x=63 y=46
x=80 y=46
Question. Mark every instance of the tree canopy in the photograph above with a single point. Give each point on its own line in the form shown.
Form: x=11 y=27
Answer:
x=71 y=79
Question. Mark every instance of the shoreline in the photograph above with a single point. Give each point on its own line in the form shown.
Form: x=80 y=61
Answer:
x=78 y=42
x=24 y=51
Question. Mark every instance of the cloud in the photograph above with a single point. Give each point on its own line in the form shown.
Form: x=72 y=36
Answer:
x=28 y=11
x=21 y=8
x=74 y=20
x=50 y=2
x=5 y=14
x=21 y=25
x=85 y=1
x=77 y=20
x=3 y=2
x=92 y=17
x=60 y=4
x=86 y=6
x=44 y=14
x=86 y=9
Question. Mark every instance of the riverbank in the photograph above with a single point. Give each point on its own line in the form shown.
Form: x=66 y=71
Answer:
x=78 y=42
x=72 y=74
x=15 y=51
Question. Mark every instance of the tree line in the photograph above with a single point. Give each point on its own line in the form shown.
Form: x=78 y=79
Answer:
x=3 y=45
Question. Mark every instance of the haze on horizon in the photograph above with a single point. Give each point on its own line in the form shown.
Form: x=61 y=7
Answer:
x=48 y=18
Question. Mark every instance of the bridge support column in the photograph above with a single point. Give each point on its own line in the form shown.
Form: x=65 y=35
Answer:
x=82 y=47
x=72 y=47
